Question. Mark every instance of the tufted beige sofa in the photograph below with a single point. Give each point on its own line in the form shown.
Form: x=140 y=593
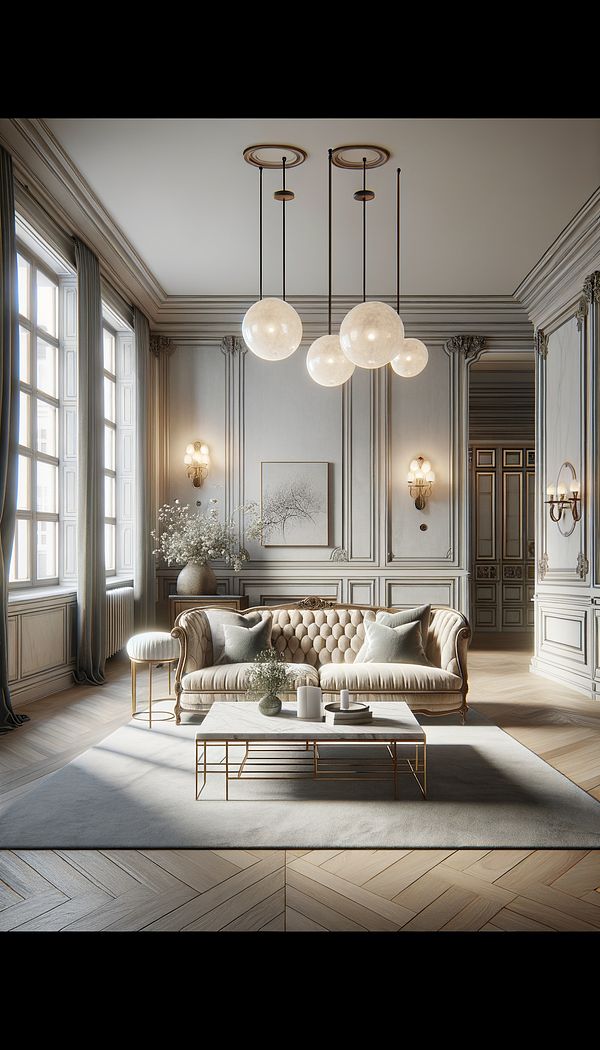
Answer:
x=320 y=640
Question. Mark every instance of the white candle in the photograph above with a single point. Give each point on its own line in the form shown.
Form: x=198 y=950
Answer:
x=301 y=701
x=313 y=701
x=308 y=700
x=344 y=700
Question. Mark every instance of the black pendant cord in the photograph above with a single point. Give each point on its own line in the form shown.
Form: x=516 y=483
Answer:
x=283 y=235
x=398 y=242
x=330 y=241
x=364 y=204
x=260 y=235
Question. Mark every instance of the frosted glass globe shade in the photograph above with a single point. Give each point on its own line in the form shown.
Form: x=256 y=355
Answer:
x=272 y=329
x=371 y=334
x=412 y=358
x=414 y=464
x=326 y=363
x=425 y=467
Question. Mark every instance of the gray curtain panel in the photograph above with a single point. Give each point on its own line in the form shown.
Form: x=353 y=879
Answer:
x=144 y=574
x=91 y=576
x=9 y=419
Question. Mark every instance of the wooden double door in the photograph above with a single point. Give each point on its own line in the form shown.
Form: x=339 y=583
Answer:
x=502 y=537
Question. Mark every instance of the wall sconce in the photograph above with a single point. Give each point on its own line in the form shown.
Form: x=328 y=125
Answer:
x=197 y=461
x=564 y=497
x=420 y=479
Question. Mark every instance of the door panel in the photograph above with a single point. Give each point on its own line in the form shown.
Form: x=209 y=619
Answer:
x=502 y=537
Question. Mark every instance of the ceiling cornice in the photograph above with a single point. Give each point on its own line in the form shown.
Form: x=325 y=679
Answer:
x=40 y=162
x=557 y=278
x=203 y=320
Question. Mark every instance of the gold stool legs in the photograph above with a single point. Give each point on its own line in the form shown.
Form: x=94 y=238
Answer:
x=162 y=716
x=133 y=687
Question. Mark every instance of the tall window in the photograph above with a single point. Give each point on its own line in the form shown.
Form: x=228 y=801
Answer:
x=110 y=447
x=35 y=552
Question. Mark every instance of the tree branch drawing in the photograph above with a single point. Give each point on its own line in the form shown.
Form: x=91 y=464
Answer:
x=290 y=502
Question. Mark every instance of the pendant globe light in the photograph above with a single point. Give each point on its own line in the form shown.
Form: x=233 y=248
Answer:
x=413 y=354
x=271 y=328
x=325 y=360
x=372 y=332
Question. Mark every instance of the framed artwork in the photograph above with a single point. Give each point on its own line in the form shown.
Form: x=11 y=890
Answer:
x=294 y=504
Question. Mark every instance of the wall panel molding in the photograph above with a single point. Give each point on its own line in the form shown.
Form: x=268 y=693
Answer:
x=41 y=651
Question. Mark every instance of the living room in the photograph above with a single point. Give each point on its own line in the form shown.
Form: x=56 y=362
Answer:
x=299 y=527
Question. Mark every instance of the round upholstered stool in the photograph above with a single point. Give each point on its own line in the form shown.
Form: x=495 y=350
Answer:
x=151 y=648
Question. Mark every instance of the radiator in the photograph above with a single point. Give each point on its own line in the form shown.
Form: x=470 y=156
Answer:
x=119 y=619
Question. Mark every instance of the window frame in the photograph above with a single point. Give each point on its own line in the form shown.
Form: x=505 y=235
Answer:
x=111 y=424
x=34 y=516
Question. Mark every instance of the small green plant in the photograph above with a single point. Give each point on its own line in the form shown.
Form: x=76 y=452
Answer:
x=269 y=675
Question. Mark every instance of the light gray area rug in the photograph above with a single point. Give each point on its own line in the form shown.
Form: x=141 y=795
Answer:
x=136 y=789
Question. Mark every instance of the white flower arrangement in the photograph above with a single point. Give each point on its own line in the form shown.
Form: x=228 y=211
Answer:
x=200 y=537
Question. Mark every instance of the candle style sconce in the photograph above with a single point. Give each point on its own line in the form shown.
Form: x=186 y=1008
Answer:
x=563 y=497
x=420 y=481
x=197 y=460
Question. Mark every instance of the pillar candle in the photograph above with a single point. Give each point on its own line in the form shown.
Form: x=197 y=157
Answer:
x=313 y=701
x=301 y=701
x=308 y=699
x=344 y=700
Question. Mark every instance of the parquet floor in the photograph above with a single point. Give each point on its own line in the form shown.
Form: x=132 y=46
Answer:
x=300 y=890
x=294 y=890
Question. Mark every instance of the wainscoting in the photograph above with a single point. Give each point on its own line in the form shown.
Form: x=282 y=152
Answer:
x=41 y=645
x=42 y=639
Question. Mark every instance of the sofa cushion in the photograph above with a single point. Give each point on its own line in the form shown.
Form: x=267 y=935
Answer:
x=397 y=619
x=244 y=643
x=235 y=677
x=401 y=677
x=217 y=618
x=396 y=645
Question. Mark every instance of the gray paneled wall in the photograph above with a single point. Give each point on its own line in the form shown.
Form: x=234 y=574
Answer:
x=568 y=581
x=249 y=411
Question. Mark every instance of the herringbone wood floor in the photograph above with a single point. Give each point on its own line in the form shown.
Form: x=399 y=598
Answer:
x=300 y=890
x=383 y=890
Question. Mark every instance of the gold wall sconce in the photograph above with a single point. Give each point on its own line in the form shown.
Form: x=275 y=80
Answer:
x=420 y=479
x=563 y=497
x=197 y=460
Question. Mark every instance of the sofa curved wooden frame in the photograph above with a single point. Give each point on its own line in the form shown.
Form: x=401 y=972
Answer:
x=462 y=637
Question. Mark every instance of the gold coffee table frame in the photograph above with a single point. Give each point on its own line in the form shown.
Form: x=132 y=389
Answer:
x=146 y=715
x=306 y=763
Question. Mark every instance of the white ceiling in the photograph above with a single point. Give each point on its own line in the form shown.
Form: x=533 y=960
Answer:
x=481 y=200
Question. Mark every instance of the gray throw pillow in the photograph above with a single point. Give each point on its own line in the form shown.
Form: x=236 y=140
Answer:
x=392 y=645
x=242 y=644
x=396 y=619
x=217 y=618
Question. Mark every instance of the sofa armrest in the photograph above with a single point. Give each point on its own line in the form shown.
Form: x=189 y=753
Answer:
x=448 y=641
x=192 y=629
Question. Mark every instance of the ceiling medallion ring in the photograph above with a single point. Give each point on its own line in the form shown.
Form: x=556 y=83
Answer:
x=258 y=156
x=351 y=157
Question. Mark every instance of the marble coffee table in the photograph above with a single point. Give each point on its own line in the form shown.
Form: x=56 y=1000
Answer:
x=284 y=748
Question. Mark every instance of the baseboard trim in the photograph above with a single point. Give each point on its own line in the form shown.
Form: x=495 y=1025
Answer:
x=21 y=696
x=568 y=676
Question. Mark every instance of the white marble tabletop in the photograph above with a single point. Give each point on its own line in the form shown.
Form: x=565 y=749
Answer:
x=243 y=721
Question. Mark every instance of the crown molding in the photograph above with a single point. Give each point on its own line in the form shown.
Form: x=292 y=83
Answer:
x=556 y=280
x=203 y=320
x=41 y=165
